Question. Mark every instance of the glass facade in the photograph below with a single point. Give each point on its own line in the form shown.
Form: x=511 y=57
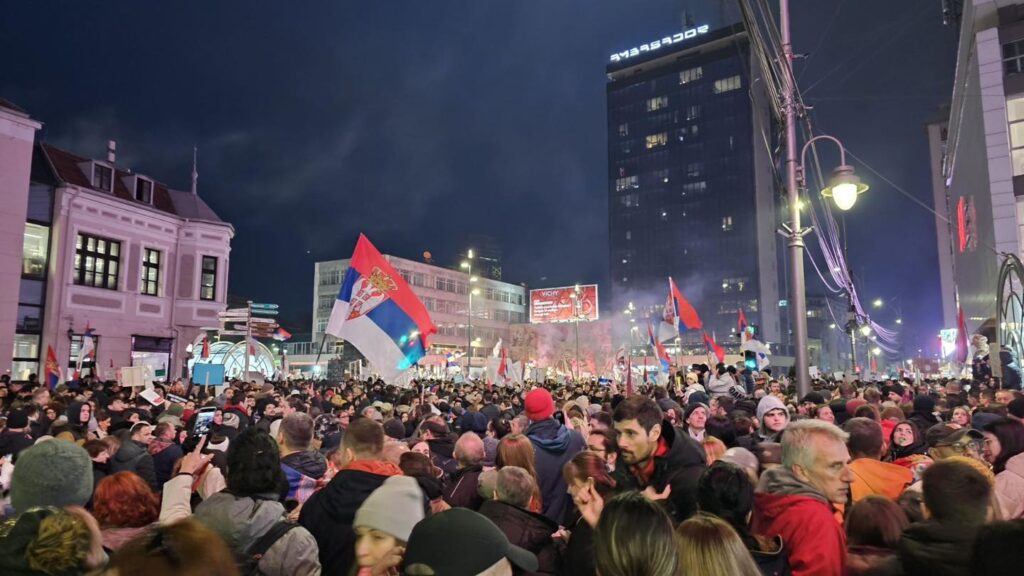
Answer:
x=35 y=260
x=684 y=206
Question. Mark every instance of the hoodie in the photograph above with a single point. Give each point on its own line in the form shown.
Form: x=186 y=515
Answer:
x=133 y=457
x=554 y=445
x=874 y=477
x=304 y=470
x=766 y=405
x=329 y=513
x=240 y=521
x=442 y=454
x=799 y=513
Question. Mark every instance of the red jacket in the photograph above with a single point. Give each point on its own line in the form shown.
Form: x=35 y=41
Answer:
x=804 y=519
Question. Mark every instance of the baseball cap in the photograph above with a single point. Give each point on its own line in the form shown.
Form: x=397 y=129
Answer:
x=481 y=545
x=946 y=435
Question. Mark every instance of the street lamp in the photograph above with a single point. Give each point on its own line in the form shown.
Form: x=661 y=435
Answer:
x=576 y=310
x=878 y=303
x=865 y=330
x=876 y=351
x=467 y=265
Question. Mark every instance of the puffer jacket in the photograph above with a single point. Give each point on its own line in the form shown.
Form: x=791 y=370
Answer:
x=554 y=445
x=803 y=517
x=527 y=530
x=1010 y=489
x=937 y=549
x=240 y=521
x=133 y=457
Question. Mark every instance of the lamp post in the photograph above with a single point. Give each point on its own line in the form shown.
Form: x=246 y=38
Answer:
x=467 y=265
x=576 y=310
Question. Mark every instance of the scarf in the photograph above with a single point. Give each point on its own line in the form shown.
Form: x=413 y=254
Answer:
x=158 y=445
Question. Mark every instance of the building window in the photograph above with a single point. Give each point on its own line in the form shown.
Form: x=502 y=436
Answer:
x=1013 y=57
x=657 y=103
x=687 y=76
x=1015 y=117
x=661 y=176
x=693 y=187
x=631 y=200
x=208 y=279
x=626 y=182
x=656 y=140
x=728 y=84
x=693 y=112
x=102 y=177
x=150 y=272
x=726 y=223
x=97 y=261
x=34 y=251
x=143 y=190
x=693 y=169
x=624 y=129
x=733 y=284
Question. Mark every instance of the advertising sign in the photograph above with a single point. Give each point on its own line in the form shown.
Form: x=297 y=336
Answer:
x=948 y=338
x=559 y=304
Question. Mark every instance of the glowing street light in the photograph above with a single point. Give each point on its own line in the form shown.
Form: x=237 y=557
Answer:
x=899 y=320
x=877 y=303
x=876 y=351
x=865 y=330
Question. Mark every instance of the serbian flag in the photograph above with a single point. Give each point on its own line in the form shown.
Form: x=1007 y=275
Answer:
x=86 y=351
x=961 y=337
x=741 y=326
x=678 y=310
x=714 y=348
x=379 y=314
x=281 y=334
x=659 y=350
x=503 y=365
x=52 y=368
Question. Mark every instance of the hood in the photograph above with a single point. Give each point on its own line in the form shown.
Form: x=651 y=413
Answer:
x=683 y=451
x=872 y=476
x=310 y=463
x=349 y=488
x=239 y=521
x=780 y=481
x=129 y=451
x=74 y=412
x=924 y=405
x=549 y=435
x=766 y=405
x=442 y=446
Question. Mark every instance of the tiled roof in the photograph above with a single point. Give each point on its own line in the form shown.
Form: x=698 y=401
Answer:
x=67 y=168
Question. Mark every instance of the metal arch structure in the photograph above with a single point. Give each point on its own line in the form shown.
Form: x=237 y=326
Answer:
x=232 y=356
x=1009 y=310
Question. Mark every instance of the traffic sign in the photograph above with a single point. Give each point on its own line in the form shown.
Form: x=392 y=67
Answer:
x=232 y=332
x=236 y=311
x=232 y=315
x=256 y=320
x=263 y=306
x=267 y=312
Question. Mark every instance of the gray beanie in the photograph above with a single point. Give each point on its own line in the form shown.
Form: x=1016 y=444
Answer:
x=394 y=508
x=51 y=473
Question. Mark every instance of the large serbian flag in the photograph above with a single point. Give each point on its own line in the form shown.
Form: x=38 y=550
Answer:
x=678 y=311
x=379 y=314
x=659 y=350
x=52 y=368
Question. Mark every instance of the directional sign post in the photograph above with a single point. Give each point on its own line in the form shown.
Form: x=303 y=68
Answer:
x=265 y=312
x=263 y=306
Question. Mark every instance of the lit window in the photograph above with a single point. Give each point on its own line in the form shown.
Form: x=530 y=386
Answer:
x=151 y=272
x=687 y=76
x=97 y=261
x=631 y=200
x=693 y=169
x=728 y=84
x=661 y=176
x=102 y=177
x=34 y=250
x=656 y=140
x=726 y=223
x=693 y=112
x=208 y=280
x=1015 y=117
x=627 y=182
x=734 y=284
x=664 y=215
x=624 y=129
x=629 y=234
x=657 y=103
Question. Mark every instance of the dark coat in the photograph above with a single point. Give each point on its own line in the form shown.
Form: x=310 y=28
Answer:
x=460 y=491
x=163 y=463
x=554 y=445
x=680 y=467
x=14 y=442
x=578 y=558
x=937 y=549
x=527 y=530
x=872 y=561
x=329 y=514
x=133 y=457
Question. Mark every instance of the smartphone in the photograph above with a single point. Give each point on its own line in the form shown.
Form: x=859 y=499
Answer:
x=204 y=420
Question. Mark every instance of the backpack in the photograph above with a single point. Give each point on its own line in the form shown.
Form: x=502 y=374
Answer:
x=249 y=560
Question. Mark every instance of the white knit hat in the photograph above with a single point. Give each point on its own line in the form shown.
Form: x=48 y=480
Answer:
x=394 y=508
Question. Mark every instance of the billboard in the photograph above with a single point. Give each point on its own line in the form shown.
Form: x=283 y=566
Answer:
x=558 y=305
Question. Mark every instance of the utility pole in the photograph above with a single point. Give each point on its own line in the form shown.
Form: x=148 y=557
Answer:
x=795 y=235
x=248 y=338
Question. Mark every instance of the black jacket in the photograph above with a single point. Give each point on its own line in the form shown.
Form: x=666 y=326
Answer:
x=442 y=454
x=329 y=514
x=163 y=463
x=460 y=491
x=527 y=530
x=14 y=442
x=133 y=457
x=680 y=467
x=937 y=549
x=309 y=463
x=578 y=558
x=554 y=445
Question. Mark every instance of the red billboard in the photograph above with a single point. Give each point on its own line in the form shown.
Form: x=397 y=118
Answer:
x=559 y=305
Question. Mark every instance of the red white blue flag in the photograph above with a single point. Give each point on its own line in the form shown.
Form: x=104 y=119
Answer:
x=378 y=313
x=678 y=311
x=659 y=350
x=281 y=334
x=714 y=348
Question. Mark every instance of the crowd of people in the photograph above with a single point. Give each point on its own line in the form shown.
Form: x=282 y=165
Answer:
x=708 y=475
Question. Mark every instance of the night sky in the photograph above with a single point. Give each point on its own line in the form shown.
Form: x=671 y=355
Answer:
x=418 y=122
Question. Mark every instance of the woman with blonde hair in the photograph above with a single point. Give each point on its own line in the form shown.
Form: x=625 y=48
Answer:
x=714 y=448
x=708 y=546
x=517 y=450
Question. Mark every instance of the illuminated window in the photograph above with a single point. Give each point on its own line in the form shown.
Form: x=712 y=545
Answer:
x=657 y=103
x=693 y=169
x=734 y=284
x=687 y=76
x=151 y=272
x=34 y=250
x=693 y=112
x=656 y=140
x=1015 y=117
x=726 y=223
x=208 y=280
x=624 y=129
x=626 y=182
x=97 y=261
x=661 y=176
x=631 y=200
x=728 y=84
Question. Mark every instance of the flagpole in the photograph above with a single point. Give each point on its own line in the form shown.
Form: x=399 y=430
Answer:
x=248 y=339
x=323 y=338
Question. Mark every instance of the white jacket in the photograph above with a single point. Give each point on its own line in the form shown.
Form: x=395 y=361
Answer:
x=1010 y=489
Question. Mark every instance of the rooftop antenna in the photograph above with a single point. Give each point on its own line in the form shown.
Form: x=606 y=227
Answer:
x=195 y=172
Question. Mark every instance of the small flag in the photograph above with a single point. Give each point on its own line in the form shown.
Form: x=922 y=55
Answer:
x=503 y=364
x=281 y=334
x=252 y=347
x=681 y=309
x=741 y=326
x=659 y=350
x=86 y=351
x=52 y=368
x=714 y=348
x=206 y=348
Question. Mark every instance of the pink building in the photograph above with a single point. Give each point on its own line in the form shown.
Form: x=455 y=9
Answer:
x=142 y=265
